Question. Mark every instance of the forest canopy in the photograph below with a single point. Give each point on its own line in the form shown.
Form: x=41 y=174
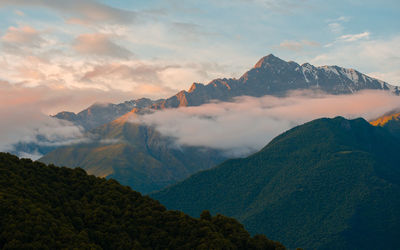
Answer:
x=48 y=207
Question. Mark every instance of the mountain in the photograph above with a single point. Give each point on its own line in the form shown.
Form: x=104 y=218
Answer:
x=274 y=76
x=270 y=76
x=47 y=207
x=148 y=168
x=390 y=121
x=102 y=113
x=90 y=118
x=327 y=184
x=136 y=155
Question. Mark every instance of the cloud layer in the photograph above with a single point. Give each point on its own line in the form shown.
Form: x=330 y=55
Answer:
x=80 y=11
x=249 y=123
x=100 y=45
x=24 y=115
x=29 y=126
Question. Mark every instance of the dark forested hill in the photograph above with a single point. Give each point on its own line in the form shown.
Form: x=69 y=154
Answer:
x=47 y=207
x=327 y=184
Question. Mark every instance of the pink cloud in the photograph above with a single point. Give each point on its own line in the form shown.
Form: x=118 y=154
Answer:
x=24 y=36
x=25 y=112
x=249 y=123
x=88 y=11
x=101 y=45
x=56 y=98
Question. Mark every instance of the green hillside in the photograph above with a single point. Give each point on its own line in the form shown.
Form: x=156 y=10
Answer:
x=327 y=184
x=135 y=155
x=47 y=207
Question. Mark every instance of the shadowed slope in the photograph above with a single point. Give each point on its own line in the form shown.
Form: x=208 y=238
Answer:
x=328 y=184
x=136 y=155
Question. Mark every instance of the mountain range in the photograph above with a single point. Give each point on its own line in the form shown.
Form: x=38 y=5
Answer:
x=274 y=76
x=327 y=184
x=139 y=156
x=269 y=76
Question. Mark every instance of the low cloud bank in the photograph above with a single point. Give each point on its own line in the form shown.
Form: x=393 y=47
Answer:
x=29 y=127
x=249 y=123
x=239 y=127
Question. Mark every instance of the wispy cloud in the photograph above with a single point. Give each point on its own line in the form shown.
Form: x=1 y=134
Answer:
x=283 y=6
x=55 y=98
x=119 y=71
x=24 y=36
x=19 y=13
x=354 y=37
x=297 y=45
x=25 y=124
x=336 y=25
x=25 y=111
x=190 y=31
x=98 y=44
x=80 y=11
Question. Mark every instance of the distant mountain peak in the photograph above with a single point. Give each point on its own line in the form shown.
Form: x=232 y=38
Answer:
x=307 y=65
x=268 y=61
x=195 y=86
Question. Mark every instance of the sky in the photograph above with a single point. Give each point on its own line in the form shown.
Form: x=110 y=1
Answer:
x=65 y=55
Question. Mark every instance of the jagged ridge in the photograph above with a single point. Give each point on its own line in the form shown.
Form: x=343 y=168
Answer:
x=269 y=76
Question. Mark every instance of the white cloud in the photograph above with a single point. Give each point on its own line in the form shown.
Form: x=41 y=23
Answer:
x=297 y=45
x=354 y=37
x=336 y=27
x=19 y=13
x=343 y=18
x=249 y=123
x=34 y=155
x=26 y=124
x=285 y=6
x=53 y=99
x=25 y=117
